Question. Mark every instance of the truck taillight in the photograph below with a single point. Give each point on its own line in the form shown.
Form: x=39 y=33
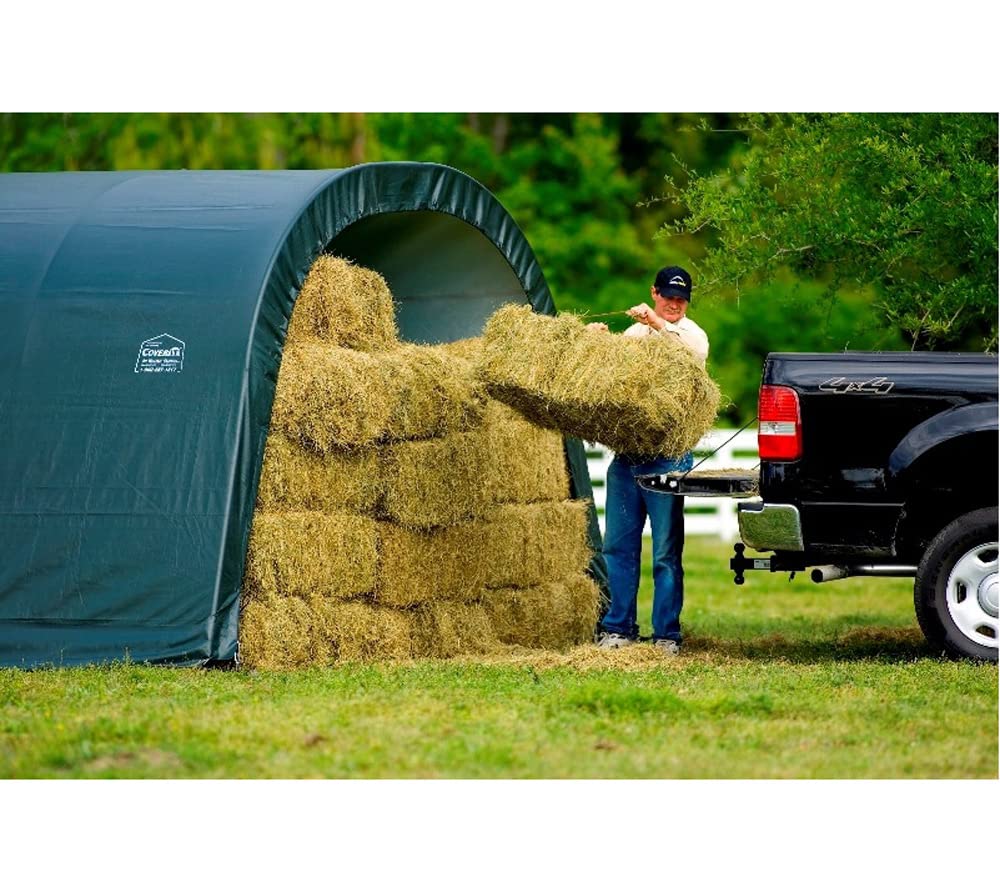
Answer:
x=779 y=431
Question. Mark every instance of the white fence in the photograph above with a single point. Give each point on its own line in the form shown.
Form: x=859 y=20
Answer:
x=702 y=516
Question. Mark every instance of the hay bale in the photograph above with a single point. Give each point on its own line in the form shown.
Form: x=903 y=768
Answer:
x=445 y=629
x=289 y=632
x=310 y=554
x=464 y=348
x=359 y=631
x=528 y=462
x=333 y=398
x=551 y=615
x=525 y=545
x=436 y=393
x=642 y=396
x=297 y=478
x=277 y=635
x=439 y=482
x=447 y=480
x=417 y=566
x=516 y=546
x=344 y=305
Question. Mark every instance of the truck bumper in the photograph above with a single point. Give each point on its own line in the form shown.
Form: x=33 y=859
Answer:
x=770 y=527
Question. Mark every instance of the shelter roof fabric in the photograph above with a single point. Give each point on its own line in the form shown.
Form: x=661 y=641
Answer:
x=144 y=319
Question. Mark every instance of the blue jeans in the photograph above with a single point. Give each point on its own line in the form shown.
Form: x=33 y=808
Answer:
x=627 y=506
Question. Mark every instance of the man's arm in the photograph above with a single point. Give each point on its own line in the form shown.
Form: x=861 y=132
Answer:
x=690 y=335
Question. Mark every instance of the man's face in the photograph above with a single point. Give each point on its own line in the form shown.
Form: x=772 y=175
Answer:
x=673 y=309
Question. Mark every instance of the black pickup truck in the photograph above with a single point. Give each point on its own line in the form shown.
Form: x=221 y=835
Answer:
x=877 y=464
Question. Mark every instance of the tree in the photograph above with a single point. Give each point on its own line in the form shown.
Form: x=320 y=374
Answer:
x=784 y=315
x=906 y=203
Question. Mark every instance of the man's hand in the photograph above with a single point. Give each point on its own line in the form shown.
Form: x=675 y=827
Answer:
x=597 y=326
x=647 y=316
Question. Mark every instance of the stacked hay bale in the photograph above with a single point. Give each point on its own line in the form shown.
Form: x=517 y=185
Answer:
x=402 y=512
x=642 y=396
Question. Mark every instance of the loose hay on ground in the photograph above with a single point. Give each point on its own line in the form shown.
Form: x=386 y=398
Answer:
x=345 y=305
x=643 y=396
x=585 y=657
x=311 y=555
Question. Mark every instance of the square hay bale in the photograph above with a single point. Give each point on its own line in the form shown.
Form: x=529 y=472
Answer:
x=642 y=396
x=289 y=632
x=461 y=476
x=359 y=631
x=334 y=398
x=419 y=566
x=516 y=545
x=295 y=477
x=528 y=462
x=310 y=554
x=447 y=629
x=436 y=392
x=329 y=397
x=438 y=482
x=551 y=615
x=344 y=305
x=526 y=545
x=464 y=348
x=278 y=635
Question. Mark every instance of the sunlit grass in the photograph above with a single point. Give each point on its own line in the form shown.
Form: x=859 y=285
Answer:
x=777 y=679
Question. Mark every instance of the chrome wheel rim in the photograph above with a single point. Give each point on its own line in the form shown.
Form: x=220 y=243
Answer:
x=971 y=594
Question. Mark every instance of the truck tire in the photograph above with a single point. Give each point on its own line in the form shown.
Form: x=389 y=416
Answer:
x=955 y=593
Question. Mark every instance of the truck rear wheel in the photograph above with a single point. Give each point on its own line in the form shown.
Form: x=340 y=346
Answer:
x=955 y=593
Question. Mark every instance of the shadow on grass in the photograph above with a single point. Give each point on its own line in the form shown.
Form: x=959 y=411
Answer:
x=888 y=645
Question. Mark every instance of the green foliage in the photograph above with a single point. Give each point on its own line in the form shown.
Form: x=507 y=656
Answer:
x=784 y=315
x=906 y=203
x=118 y=141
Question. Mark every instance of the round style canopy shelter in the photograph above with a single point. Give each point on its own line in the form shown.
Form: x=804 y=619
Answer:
x=144 y=316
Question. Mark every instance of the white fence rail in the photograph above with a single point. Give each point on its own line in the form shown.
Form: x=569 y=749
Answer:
x=702 y=516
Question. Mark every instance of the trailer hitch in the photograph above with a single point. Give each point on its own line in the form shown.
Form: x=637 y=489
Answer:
x=738 y=563
x=777 y=563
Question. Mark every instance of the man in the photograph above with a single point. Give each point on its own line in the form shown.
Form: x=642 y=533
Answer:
x=627 y=504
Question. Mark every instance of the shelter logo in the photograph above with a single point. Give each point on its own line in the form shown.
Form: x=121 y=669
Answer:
x=164 y=353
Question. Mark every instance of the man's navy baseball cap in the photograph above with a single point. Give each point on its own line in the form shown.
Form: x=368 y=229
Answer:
x=673 y=281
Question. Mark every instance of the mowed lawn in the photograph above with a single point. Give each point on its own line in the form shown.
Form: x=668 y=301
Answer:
x=778 y=679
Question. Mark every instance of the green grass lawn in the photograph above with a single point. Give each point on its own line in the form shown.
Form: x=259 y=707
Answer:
x=777 y=679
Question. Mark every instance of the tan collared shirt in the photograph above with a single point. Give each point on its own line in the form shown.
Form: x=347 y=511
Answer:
x=690 y=334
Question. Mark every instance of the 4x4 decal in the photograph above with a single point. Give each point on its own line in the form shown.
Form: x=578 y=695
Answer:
x=842 y=385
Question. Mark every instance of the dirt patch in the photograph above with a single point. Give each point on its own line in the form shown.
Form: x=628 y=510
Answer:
x=132 y=759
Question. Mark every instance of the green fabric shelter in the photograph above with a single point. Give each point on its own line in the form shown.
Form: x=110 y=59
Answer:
x=144 y=315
